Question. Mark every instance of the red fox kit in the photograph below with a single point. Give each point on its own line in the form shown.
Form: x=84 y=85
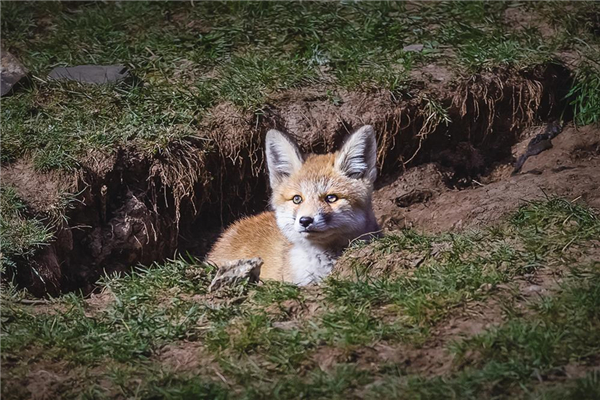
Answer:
x=320 y=203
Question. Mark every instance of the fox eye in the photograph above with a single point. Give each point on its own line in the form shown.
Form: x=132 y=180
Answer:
x=331 y=198
x=297 y=199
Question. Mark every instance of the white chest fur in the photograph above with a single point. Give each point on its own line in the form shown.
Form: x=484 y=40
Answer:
x=310 y=264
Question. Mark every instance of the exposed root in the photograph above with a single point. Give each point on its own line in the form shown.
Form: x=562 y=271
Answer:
x=236 y=137
x=528 y=94
x=179 y=168
x=433 y=115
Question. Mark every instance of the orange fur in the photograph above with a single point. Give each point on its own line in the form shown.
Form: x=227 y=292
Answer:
x=306 y=253
x=251 y=237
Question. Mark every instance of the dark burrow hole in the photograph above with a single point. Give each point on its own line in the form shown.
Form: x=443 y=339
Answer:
x=102 y=236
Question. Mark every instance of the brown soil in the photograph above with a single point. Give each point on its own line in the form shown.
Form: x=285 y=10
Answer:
x=188 y=357
x=520 y=20
x=33 y=377
x=43 y=192
x=571 y=169
x=44 y=384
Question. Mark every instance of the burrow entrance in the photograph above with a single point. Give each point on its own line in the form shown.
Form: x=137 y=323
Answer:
x=133 y=209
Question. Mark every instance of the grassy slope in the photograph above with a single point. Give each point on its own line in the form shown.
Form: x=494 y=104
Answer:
x=272 y=338
x=193 y=57
x=21 y=234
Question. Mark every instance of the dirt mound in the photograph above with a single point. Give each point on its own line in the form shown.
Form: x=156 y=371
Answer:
x=569 y=169
x=43 y=192
x=320 y=121
x=133 y=207
x=435 y=116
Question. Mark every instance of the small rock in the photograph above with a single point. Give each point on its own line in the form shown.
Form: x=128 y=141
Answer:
x=96 y=74
x=234 y=272
x=11 y=72
x=285 y=325
x=413 y=47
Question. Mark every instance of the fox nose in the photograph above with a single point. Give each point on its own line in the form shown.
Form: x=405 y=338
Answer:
x=306 y=221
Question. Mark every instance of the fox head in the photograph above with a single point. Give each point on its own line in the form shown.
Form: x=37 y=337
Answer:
x=326 y=198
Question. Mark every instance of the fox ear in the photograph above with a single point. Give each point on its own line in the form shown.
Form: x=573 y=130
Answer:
x=283 y=157
x=358 y=156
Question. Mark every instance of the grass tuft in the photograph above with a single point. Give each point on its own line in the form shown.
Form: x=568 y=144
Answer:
x=585 y=95
x=21 y=235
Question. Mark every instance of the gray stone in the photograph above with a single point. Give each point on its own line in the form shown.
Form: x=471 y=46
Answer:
x=233 y=273
x=11 y=72
x=95 y=74
x=413 y=47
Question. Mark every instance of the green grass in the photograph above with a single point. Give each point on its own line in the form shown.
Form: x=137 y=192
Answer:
x=192 y=57
x=141 y=316
x=565 y=330
x=587 y=388
x=438 y=284
x=505 y=361
x=266 y=340
x=58 y=124
x=246 y=81
x=471 y=261
x=585 y=95
x=352 y=41
x=21 y=235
